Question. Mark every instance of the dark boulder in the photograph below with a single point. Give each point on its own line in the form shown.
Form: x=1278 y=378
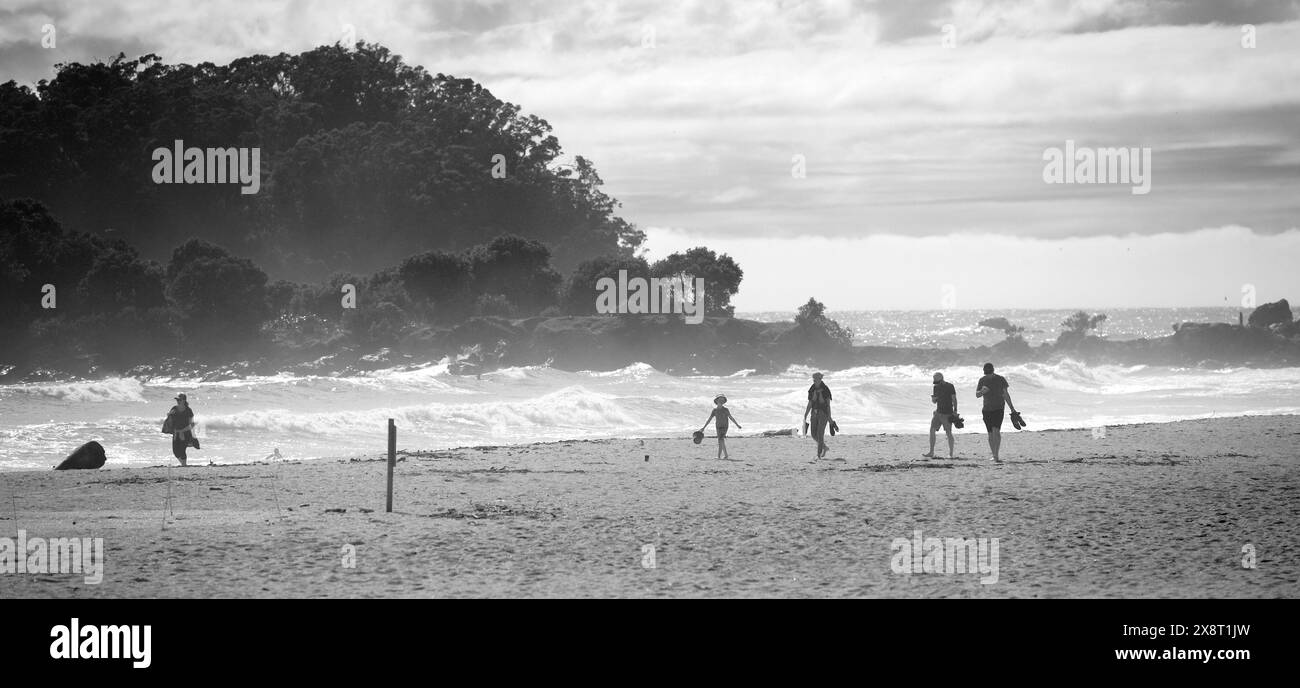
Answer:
x=1271 y=314
x=1224 y=342
x=88 y=456
x=998 y=323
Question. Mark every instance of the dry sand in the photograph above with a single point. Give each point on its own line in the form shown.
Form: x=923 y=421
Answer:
x=1147 y=511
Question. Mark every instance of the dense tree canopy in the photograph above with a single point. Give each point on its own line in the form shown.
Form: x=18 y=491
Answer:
x=579 y=295
x=364 y=161
x=720 y=273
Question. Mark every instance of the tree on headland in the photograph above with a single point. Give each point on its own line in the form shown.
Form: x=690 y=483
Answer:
x=720 y=273
x=813 y=315
x=1080 y=323
x=579 y=294
x=439 y=283
x=1075 y=328
x=517 y=269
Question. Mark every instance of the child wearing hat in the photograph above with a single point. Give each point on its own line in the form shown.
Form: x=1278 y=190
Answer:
x=723 y=415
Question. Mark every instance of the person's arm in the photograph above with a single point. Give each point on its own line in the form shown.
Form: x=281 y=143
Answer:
x=733 y=419
x=712 y=413
x=806 y=409
x=1006 y=394
x=954 y=400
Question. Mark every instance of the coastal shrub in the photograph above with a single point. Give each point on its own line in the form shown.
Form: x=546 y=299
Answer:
x=118 y=339
x=720 y=273
x=438 y=284
x=108 y=300
x=579 y=294
x=494 y=304
x=518 y=269
x=382 y=324
x=1080 y=323
x=1077 y=326
x=813 y=315
x=219 y=299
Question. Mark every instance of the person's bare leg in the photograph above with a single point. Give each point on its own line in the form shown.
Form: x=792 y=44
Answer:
x=995 y=442
x=722 y=447
x=951 y=444
x=933 y=429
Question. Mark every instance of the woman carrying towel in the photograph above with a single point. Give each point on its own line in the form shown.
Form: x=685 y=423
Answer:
x=180 y=423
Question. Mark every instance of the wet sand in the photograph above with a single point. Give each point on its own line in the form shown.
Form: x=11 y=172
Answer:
x=1145 y=511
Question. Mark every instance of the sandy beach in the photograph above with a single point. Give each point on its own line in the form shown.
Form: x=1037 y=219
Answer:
x=1145 y=511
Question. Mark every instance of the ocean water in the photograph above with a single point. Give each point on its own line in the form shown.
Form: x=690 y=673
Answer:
x=309 y=417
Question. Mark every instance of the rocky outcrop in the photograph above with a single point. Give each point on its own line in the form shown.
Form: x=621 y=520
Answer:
x=1275 y=313
x=998 y=323
x=716 y=346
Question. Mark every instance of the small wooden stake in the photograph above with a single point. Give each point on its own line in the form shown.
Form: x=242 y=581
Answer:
x=392 y=460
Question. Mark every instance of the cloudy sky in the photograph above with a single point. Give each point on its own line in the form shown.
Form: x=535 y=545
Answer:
x=920 y=128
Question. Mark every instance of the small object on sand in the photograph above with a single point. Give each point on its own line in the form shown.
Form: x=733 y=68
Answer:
x=88 y=456
x=698 y=437
x=647 y=457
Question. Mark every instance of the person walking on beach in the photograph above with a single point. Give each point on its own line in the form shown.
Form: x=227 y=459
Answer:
x=993 y=388
x=180 y=423
x=944 y=397
x=819 y=406
x=723 y=416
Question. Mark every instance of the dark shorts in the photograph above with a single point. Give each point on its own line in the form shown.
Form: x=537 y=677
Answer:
x=722 y=431
x=941 y=419
x=993 y=418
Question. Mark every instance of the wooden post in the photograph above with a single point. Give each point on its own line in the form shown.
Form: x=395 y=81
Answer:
x=392 y=460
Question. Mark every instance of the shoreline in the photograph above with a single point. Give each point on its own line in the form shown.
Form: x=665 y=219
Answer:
x=1159 y=510
x=973 y=428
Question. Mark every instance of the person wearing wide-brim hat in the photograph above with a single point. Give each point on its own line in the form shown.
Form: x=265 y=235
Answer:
x=180 y=423
x=723 y=416
x=819 y=406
